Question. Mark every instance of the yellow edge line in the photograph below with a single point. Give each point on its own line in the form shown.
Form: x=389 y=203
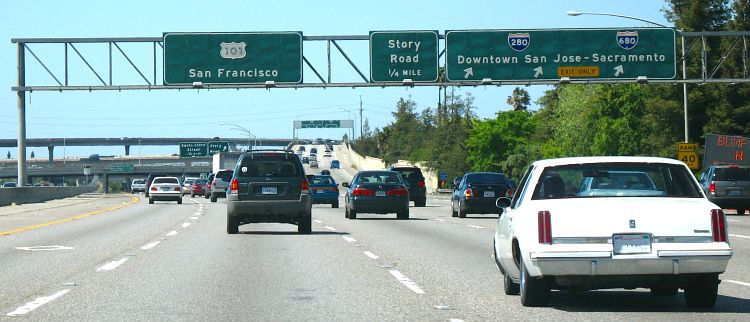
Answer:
x=134 y=199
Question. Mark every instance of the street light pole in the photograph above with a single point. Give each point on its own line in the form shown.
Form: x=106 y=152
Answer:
x=250 y=135
x=684 y=67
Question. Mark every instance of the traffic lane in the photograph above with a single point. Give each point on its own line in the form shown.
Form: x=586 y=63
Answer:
x=455 y=260
x=266 y=272
x=36 y=259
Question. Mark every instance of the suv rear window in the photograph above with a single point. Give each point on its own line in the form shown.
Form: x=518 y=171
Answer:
x=280 y=165
x=732 y=174
x=225 y=175
x=410 y=174
x=487 y=178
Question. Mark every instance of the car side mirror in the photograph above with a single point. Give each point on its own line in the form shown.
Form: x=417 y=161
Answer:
x=345 y=184
x=502 y=202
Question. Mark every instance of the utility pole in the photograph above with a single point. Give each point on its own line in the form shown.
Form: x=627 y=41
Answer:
x=361 y=120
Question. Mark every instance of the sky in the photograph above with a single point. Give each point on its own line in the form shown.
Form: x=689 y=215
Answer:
x=265 y=113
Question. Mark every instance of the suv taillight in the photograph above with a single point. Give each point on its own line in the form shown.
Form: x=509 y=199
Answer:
x=305 y=186
x=712 y=187
x=469 y=193
x=421 y=184
x=234 y=187
x=545 y=227
x=718 y=225
x=398 y=192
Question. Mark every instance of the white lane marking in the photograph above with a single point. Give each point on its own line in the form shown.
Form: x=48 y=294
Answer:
x=732 y=220
x=330 y=228
x=197 y=213
x=406 y=281
x=28 y=307
x=185 y=225
x=739 y=236
x=151 y=245
x=439 y=219
x=349 y=239
x=456 y=320
x=371 y=255
x=318 y=221
x=172 y=233
x=32 y=248
x=474 y=226
x=194 y=218
x=111 y=265
x=737 y=282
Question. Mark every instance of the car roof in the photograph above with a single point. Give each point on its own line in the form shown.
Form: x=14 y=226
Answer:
x=605 y=159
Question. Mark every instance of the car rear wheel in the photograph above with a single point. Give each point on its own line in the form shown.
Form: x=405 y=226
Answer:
x=509 y=287
x=179 y=201
x=304 y=225
x=192 y=195
x=534 y=291
x=213 y=198
x=740 y=211
x=403 y=214
x=150 y=201
x=461 y=213
x=232 y=225
x=454 y=213
x=335 y=204
x=352 y=214
x=703 y=291
x=420 y=203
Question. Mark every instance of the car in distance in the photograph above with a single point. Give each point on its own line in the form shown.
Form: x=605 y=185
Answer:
x=415 y=183
x=165 y=189
x=150 y=179
x=305 y=160
x=138 y=185
x=325 y=172
x=727 y=186
x=269 y=186
x=335 y=164
x=198 y=188
x=552 y=235
x=477 y=192
x=323 y=189
x=314 y=164
x=9 y=185
x=220 y=184
x=379 y=192
x=187 y=184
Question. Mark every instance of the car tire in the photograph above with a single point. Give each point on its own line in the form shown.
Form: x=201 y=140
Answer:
x=461 y=213
x=206 y=195
x=352 y=214
x=179 y=201
x=150 y=201
x=509 y=287
x=403 y=214
x=192 y=195
x=346 y=212
x=740 y=211
x=454 y=213
x=304 y=224
x=420 y=203
x=703 y=291
x=335 y=204
x=534 y=291
x=232 y=226
x=664 y=290
x=213 y=198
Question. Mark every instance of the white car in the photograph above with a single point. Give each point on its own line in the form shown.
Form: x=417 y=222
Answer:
x=138 y=185
x=165 y=189
x=660 y=233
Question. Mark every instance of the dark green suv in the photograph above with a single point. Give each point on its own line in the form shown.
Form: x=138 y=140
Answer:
x=269 y=186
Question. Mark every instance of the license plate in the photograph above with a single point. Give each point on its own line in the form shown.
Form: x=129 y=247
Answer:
x=380 y=193
x=489 y=194
x=735 y=193
x=631 y=243
x=166 y=189
x=268 y=190
x=319 y=191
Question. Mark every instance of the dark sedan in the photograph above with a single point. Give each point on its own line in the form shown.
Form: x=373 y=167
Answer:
x=379 y=192
x=477 y=192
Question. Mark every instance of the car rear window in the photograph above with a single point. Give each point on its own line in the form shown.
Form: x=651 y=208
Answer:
x=616 y=180
x=270 y=166
x=166 y=180
x=139 y=181
x=379 y=177
x=732 y=174
x=322 y=180
x=487 y=178
x=200 y=181
x=224 y=175
x=410 y=174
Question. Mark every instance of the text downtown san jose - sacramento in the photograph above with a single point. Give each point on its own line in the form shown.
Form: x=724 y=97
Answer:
x=559 y=58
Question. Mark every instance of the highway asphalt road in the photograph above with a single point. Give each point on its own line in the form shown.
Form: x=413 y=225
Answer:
x=123 y=259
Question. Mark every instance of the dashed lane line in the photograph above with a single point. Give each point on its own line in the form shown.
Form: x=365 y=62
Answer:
x=318 y=221
x=186 y=225
x=172 y=233
x=371 y=255
x=475 y=226
x=330 y=228
x=151 y=245
x=406 y=281
x=349 y=239
x=439 y=219
x=737 y=282
x=739 y=236
x=111 y=265
x=28 y=307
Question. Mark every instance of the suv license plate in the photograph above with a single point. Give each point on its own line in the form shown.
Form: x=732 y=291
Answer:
x=631 y=243
x=735 y=193
x=268 y=190
x=380 y=193
x=489 y=194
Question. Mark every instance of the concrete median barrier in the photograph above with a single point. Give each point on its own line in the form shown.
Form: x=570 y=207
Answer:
x=22 y=195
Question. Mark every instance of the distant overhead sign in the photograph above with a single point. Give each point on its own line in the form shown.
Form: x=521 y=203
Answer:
x=322 y=124
x=626 y=53
x=232 y=58
x=399 y=55
x=217 y=147
x=193 y=149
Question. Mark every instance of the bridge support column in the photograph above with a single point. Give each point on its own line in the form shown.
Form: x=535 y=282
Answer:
x=127 y=150
x=51 y=150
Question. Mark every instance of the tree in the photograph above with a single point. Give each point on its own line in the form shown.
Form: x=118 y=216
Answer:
x=492 y=141
x=519 y=99
x=8 y=155
x=32 y=154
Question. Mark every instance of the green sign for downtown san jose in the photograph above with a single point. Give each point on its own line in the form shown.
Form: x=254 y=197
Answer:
x=624 y=53
x=193 y=149
x=232 y=58
x=399 y=55
x=320 y=124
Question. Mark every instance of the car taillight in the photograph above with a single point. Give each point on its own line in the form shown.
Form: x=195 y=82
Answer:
x=718 y=225
x=401 y=192
x=712 y=187
x=153 y=188
x=305 y=186
x=421 y=184
x=545 y=227
x=177 y=189
x=214 y=183
x=363 y=192
x=469 y=193
x=234 y=187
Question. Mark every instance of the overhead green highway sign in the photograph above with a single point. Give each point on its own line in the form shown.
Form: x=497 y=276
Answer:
x=320 y=124
x=232 y=58
x=120 y=168
x=399 y=55
x=217 y=146
x=193 y=149
x=497 y=55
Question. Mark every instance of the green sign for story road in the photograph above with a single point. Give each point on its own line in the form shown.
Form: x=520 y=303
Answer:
x=232 y=58
x=626 y=53
x=217 y=146
x=193 y=149
x=399 y=55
